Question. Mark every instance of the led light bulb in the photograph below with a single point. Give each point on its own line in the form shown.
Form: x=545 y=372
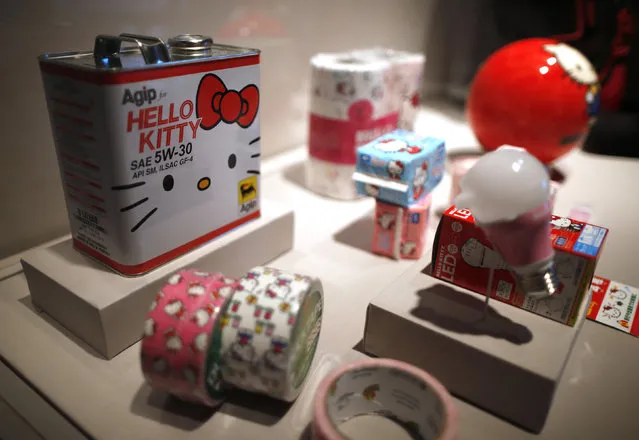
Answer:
x=476 y=254
x=508 y=192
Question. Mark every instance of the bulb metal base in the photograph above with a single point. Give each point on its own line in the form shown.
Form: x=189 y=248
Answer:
x=540 y=284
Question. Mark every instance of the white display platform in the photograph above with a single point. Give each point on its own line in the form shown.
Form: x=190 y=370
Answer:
x=106 y=310
x=503 y=359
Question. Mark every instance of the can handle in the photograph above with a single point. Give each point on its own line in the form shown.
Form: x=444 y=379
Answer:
x=107 y=48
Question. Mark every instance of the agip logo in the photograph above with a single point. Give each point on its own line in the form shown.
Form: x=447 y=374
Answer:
x=247 y=194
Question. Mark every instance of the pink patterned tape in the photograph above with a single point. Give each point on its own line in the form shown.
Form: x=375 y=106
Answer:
x=179 y=333
x=382 y=387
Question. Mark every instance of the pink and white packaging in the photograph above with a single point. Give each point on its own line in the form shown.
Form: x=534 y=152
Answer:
x=401 y=232
x=392 y=389
x=181 y=342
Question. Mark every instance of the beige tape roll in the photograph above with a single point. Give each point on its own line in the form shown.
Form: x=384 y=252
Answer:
x=270 y=332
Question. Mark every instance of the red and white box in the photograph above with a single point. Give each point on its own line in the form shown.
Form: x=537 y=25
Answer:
x=401 y=232
x=614 y=304
x=462 y=255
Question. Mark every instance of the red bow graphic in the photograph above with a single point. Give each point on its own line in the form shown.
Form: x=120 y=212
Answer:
x=215 y=103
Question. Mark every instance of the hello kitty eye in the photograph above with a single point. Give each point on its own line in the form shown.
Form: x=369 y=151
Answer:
x=168 y=182
x=232 y=161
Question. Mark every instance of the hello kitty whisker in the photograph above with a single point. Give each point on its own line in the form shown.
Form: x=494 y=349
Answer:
x=144 y=219
x=129 y=186
x=253 y=172
x=134 y=205
x=255 y=140
x=255 y=155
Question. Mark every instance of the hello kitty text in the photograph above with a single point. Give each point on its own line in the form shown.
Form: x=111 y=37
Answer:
x=162 y=125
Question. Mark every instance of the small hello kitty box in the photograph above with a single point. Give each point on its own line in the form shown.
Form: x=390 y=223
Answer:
x=400 y=167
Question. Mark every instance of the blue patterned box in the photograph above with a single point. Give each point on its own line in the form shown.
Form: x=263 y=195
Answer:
x=400 y=167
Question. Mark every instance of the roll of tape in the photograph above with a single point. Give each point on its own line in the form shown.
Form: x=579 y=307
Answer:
x=406 y=81
x=180 y=350
x=270 y=332
x=388 y=388
x=351 y=105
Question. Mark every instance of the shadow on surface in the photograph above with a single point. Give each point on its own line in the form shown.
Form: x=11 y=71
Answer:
x=307 y=434
x=26 y=301
x=254 y=408
x=163 y=408
x=462 y=313
x=358 y=234
x=295 y=174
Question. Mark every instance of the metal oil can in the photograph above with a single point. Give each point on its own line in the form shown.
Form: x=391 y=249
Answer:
x=158 y=144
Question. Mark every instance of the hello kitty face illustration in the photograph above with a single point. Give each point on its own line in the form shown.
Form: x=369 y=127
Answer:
x=279 y=289
x=371 y=190
x=561 y=222
x=242 y=349
x=175 y=279
x=190 y=373
x=156 y=300
x=173 y=341
x=160 y=365
x=276 y=358
x=202 y=274
x=345 y=86
x=611 y=312
x=150 y=204
x=202 y=316
x=408 y=248
x=150 y=327
x=199 y=343
x=421 y=176
x=175 y=308
x=248 y=283
x=386 y=220
x=196 y=289
x=395 y=169
x=574 y=63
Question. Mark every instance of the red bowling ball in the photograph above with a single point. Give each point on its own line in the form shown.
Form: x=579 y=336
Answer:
x=538 y=94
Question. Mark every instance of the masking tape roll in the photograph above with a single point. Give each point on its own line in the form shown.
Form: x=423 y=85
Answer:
x=180 y=350
x=270 y=332
x=388 y=388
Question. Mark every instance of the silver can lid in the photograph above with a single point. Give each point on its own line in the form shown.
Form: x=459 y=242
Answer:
x=189 y=43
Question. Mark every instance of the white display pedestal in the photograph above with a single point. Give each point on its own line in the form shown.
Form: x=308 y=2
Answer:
x=107 y=310
x=507 y=361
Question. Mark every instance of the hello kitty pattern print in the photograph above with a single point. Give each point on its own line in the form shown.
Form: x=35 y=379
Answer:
x=270 y=332
x=180 y=346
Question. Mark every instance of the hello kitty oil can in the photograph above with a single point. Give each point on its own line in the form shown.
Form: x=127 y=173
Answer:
x=158 y=145
x=400 y=167
x=400 y=232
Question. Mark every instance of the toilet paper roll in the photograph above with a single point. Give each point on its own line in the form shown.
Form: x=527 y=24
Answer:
x=396 y=390
x=406 y=80
x=270 y=332
x=180 y=350
x=351 y=105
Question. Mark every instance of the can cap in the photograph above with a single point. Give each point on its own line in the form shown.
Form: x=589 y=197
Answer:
x=190 y=45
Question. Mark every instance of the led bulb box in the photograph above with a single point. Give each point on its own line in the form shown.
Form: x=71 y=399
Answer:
x=462 y=255
x=503 y=359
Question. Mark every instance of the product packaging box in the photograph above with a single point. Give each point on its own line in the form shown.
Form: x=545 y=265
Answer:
x=614 y=304
x=401 y=232
x=400 y=167
x=462 y=255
